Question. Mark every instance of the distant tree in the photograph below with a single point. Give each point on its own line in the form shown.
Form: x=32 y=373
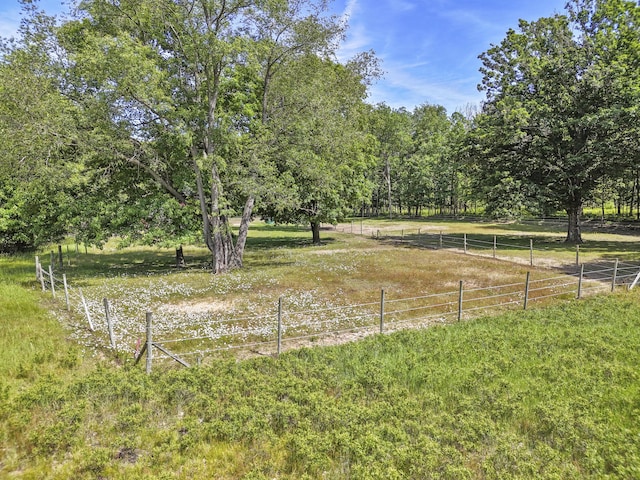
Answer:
x=315 y=110
x=430 y=177
x=393 y=130
x=562 y=102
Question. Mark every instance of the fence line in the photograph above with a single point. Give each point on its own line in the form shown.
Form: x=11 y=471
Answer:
x=303 y=327
x=462 y=242
x=407 y=316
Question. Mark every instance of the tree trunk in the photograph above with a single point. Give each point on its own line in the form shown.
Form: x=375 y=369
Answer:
x=204 y=210
x=224 y=252
x=573 y=231
x=244 y=229
x=388 y=178
x=315 y=230
x=637 y=185
x=180 y=262
x=216 y=229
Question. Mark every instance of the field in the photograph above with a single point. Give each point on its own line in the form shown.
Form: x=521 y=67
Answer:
x=547 y=393
x=330 y=293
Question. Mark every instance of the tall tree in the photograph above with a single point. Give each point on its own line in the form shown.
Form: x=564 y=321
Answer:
x=393 y=129
x=430 y=180
x=316 y=117
x=562 y=103
x=185 y=85
x=41 y=172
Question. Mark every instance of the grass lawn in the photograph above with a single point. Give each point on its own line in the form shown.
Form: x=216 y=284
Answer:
x=547 y=393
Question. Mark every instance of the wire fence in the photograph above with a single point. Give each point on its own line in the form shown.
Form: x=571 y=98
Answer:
x=529 y=251
x=282 y=327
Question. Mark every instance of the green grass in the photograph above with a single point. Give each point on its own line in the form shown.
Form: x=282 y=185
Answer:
x=548 y=237
x=344 y=270
x=547 y=393
x=29 y=336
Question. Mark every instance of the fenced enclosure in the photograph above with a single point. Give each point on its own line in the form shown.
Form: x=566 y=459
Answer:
x=189 y=338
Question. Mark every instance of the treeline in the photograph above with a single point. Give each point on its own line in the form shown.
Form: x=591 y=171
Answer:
x=429 y=168
x=158 y=120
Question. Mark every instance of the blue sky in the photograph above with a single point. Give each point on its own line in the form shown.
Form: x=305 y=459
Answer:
x=428 y=48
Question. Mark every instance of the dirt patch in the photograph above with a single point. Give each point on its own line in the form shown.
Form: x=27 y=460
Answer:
x=211 y=306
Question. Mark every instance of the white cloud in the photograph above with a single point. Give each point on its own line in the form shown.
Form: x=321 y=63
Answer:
x=358 y=40
x=348 y=10
x=407 y=85
x=9 y=22
x=401 y=5
x=470 y=18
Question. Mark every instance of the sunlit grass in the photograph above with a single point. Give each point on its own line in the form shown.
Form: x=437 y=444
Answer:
x=549 y=393
x=282 y=263
x=543 y=394
x=513 y=238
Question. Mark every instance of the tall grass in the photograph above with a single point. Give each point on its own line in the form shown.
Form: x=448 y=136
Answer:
x=543 y=394
x=31 y=339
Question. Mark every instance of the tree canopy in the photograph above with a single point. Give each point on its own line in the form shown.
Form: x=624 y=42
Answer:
x=41 y=168
x=159 y=120
x=562 y=105
x=186 y=88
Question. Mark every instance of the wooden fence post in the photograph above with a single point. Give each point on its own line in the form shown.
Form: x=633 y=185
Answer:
x=60 y=259
x=382 y=311
x=149 y=342
x=526 y=290
x=37 y=268
x=577 y=255
x=109 y=322
x=465 y=243
x=53 y=284
x=580 y=281
x=66 y=291
x=460 y=294
x=440 y=238
x=52 y=259
x=615 y=276
x=531 y=252
x=86 y=310
x=279 y=346
x=495 y=244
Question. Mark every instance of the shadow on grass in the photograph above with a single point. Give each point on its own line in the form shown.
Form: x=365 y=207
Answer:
x=558 y=225
x=541 y=226
x=268 y=237
x=153 y=261
x=129 y=263
x=512 y=244
x=18 y=268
